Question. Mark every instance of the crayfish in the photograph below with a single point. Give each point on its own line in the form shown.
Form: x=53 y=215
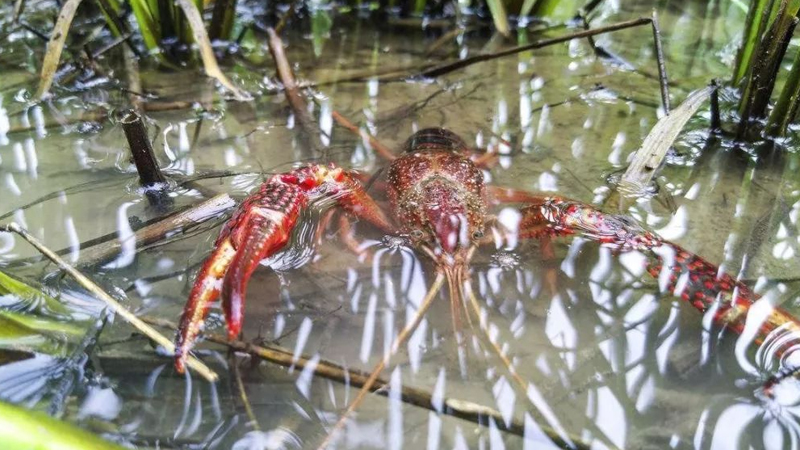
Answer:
x=439 y=203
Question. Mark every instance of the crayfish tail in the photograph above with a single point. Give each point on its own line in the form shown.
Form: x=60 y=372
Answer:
x=204 y=291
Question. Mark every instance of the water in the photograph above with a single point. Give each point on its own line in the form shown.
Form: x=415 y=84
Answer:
x=615 y=362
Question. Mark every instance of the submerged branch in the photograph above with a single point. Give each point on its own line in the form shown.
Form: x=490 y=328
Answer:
x=309 y=132
x=150 y=176
x=117 y=307
x=157 y=231
x=450 y=67
x=462 y=409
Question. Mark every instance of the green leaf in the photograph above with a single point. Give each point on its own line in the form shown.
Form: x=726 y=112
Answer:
x=21 y=429
x=320 y=29
x=31 y=295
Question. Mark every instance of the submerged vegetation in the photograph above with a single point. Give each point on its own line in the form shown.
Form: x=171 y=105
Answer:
x=119 y=63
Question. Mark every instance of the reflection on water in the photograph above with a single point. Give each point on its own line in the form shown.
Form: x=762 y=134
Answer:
x=600 y=354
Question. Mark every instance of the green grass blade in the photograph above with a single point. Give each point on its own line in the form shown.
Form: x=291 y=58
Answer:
x=147 y=24
x=320 y=29
x=749 y=40
x=21 y=429
x=499 y=16
x=782 y=113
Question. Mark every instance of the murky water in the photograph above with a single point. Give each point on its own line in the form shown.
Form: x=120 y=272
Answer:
x=607 y=359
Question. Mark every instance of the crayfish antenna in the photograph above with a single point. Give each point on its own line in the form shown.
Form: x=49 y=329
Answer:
x=204 y=292
x=523 y=385
x=376 y=372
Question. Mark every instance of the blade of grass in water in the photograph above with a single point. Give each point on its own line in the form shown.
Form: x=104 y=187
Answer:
x=749 y=40
x=499 y=16
x=30 y=295
x=147 y=24
x=784 y=109
x=206 y=52
x=21 y=429
x=55 y=46
x=320 y=29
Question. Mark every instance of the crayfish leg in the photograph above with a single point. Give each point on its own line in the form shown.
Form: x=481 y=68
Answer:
x=686 y=275
x=206 y=290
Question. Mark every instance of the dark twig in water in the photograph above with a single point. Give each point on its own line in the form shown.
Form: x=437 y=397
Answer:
x=309 y=132
x=716 y=122
x=462 y=409
x=141 y=150
x=286 y=16
x=662 y=67
x=450 y=67
x=150 y=177
x=589 y=7
x=222 y=19
x=98 y=292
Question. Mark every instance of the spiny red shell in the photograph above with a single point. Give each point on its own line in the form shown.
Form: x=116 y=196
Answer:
x=435 y=189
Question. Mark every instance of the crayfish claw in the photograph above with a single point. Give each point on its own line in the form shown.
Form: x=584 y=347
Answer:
x=205 y=291
x=263 y=237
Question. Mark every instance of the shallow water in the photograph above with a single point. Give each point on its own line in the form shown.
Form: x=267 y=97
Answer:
x=607 y=358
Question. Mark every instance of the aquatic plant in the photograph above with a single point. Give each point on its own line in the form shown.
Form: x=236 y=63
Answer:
x=768 y=29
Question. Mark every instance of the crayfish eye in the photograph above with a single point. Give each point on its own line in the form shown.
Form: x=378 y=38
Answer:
x=417 y=234
x=477 y=234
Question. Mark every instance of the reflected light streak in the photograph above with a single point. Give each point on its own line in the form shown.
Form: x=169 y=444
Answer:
x=394 y=431
x=434 y=431
x=126 y=237
x=303 y=332
x=388 y=332
x=74 y=241
x=32 y=160
x=677 y=226
x=610 y=416
x=505 y=399
x=757 y=314
x=102 y=403
x=306 y=377
x=495 y=438
x=368 y=335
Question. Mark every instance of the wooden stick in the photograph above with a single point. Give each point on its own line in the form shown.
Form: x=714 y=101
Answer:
x=309 y=132
x=462 y=409
x=662 y=67
x=153 y=233
x=373 y=142
x=98 y=292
